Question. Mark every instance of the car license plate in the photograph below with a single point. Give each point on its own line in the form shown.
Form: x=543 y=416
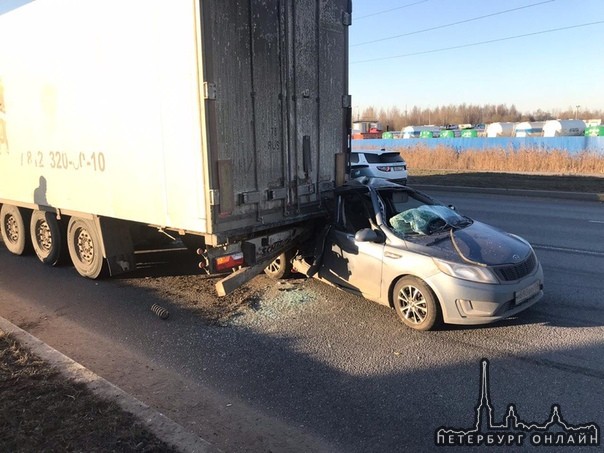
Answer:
x=525 y=294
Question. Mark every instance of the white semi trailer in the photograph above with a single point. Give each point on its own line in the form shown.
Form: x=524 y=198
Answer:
x=224 y=122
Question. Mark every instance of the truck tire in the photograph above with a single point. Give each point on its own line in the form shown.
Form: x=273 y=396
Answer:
x=14 y=229
x=281 y=267
x=83 y=242
x=47 y=237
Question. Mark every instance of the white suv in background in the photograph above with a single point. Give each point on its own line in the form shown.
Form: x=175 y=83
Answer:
x=378 y=164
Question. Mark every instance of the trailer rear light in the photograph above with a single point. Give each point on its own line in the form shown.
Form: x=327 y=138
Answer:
x=223 y=263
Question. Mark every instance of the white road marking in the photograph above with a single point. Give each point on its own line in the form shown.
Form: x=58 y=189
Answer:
x=596 y=221
x=567 y=250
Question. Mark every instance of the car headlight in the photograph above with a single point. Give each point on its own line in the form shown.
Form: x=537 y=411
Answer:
x=466 y=272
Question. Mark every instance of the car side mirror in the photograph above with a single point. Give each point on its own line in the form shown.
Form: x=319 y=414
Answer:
x=366 y=235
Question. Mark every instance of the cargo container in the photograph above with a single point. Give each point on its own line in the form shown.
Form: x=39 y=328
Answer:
x=557 y=128
x=416 y=131
x=529 y=129
x=501 y=129
x=594 y=131
x=223 y=122
x=469 y=133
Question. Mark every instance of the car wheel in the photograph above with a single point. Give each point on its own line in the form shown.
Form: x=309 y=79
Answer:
x=415 y=304
x=281 y=267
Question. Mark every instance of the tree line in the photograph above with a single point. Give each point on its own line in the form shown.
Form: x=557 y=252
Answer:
x=396 y=119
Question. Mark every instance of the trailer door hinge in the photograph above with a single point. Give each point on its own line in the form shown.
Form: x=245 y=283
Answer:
x=346 y=18
x=346 y=101
x=214 y=197
x=209 y=90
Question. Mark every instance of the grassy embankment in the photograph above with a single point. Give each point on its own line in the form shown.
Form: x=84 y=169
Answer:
x=40 y=410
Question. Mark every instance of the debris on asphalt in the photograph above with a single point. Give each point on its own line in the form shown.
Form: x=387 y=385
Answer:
x=161 y=312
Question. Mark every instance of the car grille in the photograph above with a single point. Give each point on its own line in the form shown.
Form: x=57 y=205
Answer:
x=516 y=271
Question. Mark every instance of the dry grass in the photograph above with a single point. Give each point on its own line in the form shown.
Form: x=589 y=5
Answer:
x=505 y=160
x=42 y=411
x=564 y=183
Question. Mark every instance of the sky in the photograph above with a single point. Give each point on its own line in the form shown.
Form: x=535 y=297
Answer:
x=534 y=54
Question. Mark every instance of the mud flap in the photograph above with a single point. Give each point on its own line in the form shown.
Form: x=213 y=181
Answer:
x=117 y=245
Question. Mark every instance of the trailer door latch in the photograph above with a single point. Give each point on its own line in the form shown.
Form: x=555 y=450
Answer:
x=209 y=90
x=214 y=197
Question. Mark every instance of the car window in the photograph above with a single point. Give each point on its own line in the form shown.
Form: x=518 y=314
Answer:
x=355 y=212
x=384 y=158
x=372 y=158
x=354 y=158
x=397 y=201
x=390 y=158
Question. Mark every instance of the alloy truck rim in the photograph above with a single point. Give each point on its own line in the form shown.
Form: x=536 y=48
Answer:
x=84 y=246
x=12 y=228
x=413 y=304
x=43 y=235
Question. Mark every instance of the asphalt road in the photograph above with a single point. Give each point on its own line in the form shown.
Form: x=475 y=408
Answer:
x=314 y=369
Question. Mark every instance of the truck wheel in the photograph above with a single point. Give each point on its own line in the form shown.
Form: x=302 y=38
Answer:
x=415 y=304
x=281 y=267
x=14 y=229
x=46 y=237
x=85 y=248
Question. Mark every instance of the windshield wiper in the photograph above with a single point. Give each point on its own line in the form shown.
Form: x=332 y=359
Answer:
x=463 y=222
x=457 y=225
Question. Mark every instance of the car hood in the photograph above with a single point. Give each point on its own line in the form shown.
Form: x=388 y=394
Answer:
x=477 y=243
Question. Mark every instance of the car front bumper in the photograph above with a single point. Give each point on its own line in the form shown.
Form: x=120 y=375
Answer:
x=470 y=303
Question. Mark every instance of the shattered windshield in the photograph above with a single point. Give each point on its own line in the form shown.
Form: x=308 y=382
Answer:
x=409 y=213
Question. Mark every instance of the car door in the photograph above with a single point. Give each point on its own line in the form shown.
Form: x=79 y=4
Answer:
x=349 y=263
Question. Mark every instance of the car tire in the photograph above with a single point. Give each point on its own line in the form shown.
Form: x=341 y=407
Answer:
x=281 y=267
x=416 y=304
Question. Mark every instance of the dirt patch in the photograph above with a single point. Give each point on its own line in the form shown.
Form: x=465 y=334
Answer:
x=42 y=411
x=198 y=294
x=588 y=184
x=258 y=300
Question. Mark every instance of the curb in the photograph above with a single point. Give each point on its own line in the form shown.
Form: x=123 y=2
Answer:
x=583 y=196
x=163 y=427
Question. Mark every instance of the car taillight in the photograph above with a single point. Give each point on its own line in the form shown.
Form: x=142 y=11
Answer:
x=384 y=168
x=222 y=263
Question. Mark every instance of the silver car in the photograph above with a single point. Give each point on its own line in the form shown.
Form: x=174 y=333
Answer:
x=378 y=164
x=398 y=247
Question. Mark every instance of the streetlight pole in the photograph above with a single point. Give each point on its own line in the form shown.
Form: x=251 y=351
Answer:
x=577 y=111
